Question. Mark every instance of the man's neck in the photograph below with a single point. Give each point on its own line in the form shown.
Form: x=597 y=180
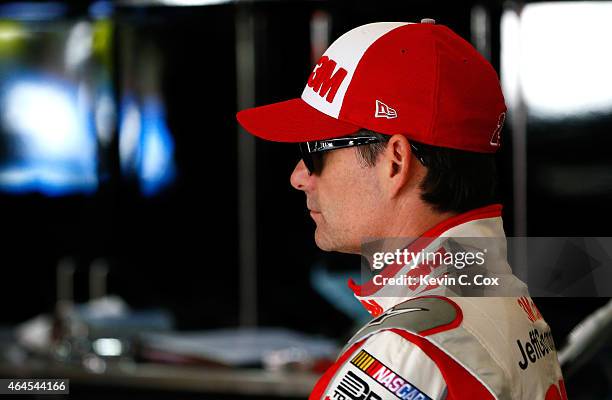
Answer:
x=413 y=218
x=407 y=222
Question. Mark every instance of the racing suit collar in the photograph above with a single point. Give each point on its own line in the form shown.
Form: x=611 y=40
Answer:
x=481 y=222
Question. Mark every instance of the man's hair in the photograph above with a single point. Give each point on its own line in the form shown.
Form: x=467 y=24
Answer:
x=456 y=180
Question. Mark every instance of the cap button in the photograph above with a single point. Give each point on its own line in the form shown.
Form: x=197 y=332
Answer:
x=428 y=21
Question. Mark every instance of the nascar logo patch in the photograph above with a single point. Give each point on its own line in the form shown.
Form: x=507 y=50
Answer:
x=390 y=380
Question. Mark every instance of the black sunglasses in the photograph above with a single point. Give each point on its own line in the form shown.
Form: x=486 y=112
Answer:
x=312 y=152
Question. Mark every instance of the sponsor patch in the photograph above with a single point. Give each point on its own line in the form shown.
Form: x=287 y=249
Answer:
x=390 y=380
x=352 y=387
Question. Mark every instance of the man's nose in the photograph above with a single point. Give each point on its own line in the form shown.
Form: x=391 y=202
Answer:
x=300 y=178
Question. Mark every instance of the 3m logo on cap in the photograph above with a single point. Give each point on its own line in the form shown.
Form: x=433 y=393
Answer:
x=384 y=111
x=329 y=82
x=400 y=387
x=496 y=136
x=325 y=79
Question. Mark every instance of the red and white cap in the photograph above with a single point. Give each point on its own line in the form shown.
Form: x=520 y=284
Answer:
x=420 y=80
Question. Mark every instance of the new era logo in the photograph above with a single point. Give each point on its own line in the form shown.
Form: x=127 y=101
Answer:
x=384 y=111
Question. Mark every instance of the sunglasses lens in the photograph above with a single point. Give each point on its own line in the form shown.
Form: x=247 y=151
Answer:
x=306 y=157
x=313 y=161
x=317 y=163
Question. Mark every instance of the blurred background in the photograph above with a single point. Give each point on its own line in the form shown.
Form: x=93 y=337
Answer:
x=151 y=248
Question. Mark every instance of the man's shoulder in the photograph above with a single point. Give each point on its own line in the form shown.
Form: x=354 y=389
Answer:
x=431 y=316
x=456 y=346
x=422 y=315
x=406 y=365
x=481 y=336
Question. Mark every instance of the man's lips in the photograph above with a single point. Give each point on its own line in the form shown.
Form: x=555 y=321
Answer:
x=314 y=213
x=312 y=209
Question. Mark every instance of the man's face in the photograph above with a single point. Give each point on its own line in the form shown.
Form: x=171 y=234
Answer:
x=342 y=199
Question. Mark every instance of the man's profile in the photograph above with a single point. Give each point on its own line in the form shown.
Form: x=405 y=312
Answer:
x=398 y=124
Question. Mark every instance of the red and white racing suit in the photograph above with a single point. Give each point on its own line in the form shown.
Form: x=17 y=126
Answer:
x=428 y=345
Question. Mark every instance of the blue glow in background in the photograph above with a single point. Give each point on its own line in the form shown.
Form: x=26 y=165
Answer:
x=48 y=127
x=146 y=147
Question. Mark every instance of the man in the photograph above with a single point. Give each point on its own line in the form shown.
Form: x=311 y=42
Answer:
x=397 y=125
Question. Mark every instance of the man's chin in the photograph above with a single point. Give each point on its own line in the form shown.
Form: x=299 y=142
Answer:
x=325 y=244
x=321 y=242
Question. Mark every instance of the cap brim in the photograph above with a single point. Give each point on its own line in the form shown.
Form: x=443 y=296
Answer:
x=292 y=121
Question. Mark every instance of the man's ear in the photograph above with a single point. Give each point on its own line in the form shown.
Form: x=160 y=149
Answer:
x=396 y=165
